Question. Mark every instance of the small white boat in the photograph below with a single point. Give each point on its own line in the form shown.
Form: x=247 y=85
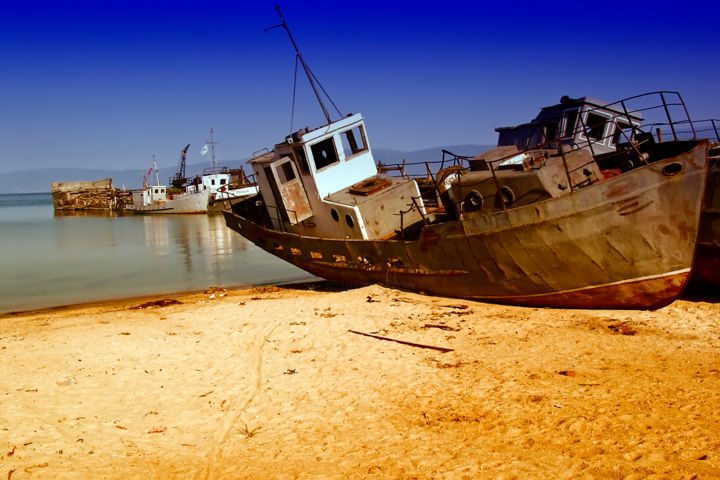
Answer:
x=156 y=199
x=226 y=186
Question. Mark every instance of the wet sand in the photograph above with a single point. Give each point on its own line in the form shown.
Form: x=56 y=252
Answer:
x=270 y=383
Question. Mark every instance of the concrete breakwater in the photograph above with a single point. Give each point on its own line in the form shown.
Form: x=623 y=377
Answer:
x=89 y=195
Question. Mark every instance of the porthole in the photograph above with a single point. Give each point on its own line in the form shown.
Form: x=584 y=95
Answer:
x=473 y=201
x=349 y=221
x=334 y=214
x=507 y=196
x=672 y=169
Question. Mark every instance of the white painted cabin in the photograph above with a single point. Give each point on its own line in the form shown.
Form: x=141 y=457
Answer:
x=154 y=195
x=325 y=183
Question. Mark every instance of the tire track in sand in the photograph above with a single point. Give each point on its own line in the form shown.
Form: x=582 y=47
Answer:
x=238 y=406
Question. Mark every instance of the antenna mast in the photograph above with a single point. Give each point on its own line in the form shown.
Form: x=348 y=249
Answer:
x=157 y=177
x=212 y=143
x=310 y=75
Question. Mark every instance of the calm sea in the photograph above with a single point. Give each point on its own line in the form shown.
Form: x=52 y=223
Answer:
x=49 y=260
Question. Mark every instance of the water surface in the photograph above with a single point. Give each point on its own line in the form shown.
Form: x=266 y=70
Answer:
x=50 y=259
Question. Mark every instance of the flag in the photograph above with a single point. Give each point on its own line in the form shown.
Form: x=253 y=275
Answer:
x=150 y=171
x=204 y=150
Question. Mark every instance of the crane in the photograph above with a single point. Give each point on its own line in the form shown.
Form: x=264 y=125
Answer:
x=179 y=180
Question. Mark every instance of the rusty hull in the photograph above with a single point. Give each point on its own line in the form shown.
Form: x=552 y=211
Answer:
x=706 y=271
x=625 y=242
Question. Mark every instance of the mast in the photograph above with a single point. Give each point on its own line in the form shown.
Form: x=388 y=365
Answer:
x=212 y=143
x=157 y=177
x=310 y=76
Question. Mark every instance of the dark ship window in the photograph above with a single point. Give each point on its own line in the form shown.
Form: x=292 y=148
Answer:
x=595 y=126
x=324 y=153
x=303 y=160
x=349 y=221
x=551 y=130
x=285 y=172
x=619 y=136
x=353 y=141
x=672 y=169
x=570 y=120
x=334 y=214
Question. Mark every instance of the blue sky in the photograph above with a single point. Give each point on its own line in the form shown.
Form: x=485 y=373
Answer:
x=109 y=84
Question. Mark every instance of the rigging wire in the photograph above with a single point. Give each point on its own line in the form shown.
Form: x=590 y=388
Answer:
x=326 y=94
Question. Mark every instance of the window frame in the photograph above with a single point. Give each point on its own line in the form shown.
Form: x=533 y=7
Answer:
x=312 y=146
x=363 y=139
x=603 y=137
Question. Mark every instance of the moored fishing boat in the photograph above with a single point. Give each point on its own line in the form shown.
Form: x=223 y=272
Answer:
x=155 y=199
x=226 y=186
x=550 y=225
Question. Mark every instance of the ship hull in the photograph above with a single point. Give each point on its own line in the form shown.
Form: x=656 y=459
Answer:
x=626 y=242
x=180 y=203
x=706 y=271
x=220 y=201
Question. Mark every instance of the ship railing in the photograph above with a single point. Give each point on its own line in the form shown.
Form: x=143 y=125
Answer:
x=215 y=170
x=707 y=128
x=392 y=167
x=626 y=131
x=282 y=216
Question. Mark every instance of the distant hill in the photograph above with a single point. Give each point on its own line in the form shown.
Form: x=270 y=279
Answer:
x=30 y=181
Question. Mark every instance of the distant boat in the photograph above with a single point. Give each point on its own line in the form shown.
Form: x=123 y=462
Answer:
x=155 y=199
x=226 y=186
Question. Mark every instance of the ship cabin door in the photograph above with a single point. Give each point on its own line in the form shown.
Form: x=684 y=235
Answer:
x=285 y=183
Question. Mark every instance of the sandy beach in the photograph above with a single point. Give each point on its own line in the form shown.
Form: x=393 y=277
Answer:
x=271 y=383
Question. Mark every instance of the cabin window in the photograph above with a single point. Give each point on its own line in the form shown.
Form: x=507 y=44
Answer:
x=570 y=120
x=222 y=181
x=212 y=181
x=285 y=172
x=619 y=136
x=324 y=153
x=353 y=141
x=595 y=126
x=300 y=152
x=551 y=130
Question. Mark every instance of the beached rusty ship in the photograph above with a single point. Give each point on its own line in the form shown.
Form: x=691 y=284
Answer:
x=555 y=224
x=706 y=270
x=548 y=226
